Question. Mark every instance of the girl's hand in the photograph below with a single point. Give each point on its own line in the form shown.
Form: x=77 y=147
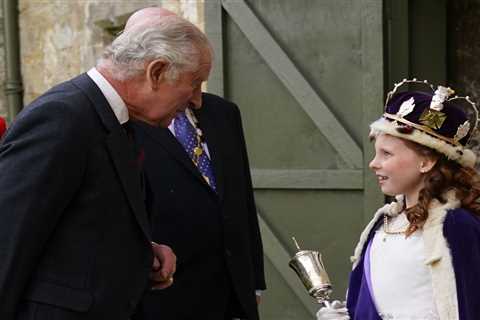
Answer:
x=335 y=311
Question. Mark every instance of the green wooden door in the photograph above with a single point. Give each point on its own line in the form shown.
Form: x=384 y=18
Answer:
x=416 y=40
x=308 y=77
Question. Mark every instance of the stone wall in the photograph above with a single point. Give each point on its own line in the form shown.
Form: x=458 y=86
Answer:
x=61 y=38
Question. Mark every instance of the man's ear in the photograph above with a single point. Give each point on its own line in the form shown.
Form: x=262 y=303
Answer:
x=427 y=164
x=155 y=72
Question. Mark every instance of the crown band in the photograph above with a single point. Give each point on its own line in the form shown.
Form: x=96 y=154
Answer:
x=474 y=122
x=422 y=128
x=459 y=154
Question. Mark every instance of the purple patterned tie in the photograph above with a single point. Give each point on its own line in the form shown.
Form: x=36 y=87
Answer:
x=188 y=137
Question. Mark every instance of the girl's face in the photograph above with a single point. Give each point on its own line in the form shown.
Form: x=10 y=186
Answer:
x=399 y=168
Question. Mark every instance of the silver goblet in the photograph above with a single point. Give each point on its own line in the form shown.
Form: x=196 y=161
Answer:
x=310 y=269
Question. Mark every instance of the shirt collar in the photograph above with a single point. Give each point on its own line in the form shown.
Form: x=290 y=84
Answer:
x=114 y=100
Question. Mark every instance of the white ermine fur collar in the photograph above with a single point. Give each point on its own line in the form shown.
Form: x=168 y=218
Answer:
x=437 y=252
x=436 y=215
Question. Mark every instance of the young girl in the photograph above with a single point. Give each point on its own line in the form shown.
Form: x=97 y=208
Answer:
x=419 y=258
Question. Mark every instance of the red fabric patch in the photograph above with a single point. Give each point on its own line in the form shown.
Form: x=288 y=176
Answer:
x=3 y=126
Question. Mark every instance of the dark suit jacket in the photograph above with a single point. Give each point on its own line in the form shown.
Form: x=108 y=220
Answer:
x=215 y=236
x=74 y=234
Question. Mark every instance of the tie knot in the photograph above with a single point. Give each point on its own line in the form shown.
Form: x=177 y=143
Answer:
x=181 y=116
x=183 y=127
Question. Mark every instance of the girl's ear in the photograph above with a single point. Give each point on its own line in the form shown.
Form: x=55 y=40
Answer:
x=427 y=164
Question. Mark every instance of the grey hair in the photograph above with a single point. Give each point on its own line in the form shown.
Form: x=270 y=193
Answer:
x=173 y=39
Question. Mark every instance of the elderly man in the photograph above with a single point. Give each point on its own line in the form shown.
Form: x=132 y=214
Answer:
x=75 y=238
x=202 y=205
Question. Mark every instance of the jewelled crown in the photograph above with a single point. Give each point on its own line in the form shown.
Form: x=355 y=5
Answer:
x=435 y=118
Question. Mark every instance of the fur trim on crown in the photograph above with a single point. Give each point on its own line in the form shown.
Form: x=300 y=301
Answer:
x=459 y=154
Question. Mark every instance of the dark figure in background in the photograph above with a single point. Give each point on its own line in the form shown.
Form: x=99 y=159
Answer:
x=75 y=239
x=211 y=223
x=202 y=205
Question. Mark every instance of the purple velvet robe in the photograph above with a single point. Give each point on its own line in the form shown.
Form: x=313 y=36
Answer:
x=461 y=229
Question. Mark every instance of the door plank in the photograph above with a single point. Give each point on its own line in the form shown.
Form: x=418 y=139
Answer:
x=372 y=94
x=307 y=179
x=293 y=80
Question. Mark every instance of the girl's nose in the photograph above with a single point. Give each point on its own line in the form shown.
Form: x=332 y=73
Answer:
x=373 y=164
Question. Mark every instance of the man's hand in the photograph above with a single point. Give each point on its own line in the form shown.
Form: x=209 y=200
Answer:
x=163 y=268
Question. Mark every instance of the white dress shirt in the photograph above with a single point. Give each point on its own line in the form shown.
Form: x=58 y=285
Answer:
x=114 y=100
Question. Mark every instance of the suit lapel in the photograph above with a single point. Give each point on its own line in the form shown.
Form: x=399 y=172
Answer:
x=117 y=145
x=127 y=170
x=212 y=137
x=173 y=147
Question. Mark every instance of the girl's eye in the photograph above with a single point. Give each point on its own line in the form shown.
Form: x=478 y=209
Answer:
x=386 y=153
